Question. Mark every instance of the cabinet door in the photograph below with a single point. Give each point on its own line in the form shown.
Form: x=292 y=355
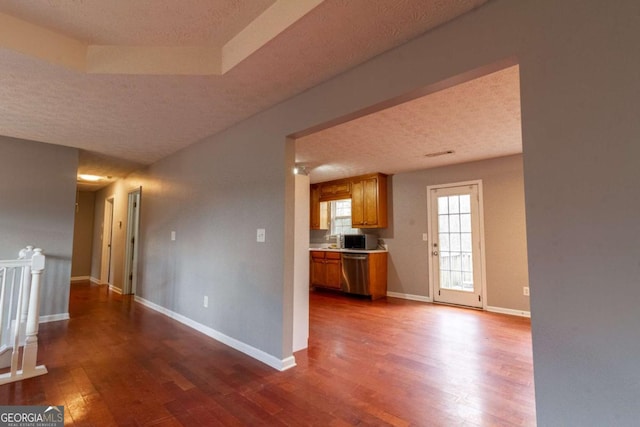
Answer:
x=369 y=202
x=314 y=207
x=378 y=275
x=364 y=203
x=317 y=270
x=370 y=190
x=357 y=203
x=318 y=218
x=333 y=270
x=335 y=190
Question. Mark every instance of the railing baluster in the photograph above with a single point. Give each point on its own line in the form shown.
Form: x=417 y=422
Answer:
x=2 y=311
x=25 y=313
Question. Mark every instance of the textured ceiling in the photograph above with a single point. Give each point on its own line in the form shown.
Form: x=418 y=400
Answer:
x=140 y=118
x=479 y=119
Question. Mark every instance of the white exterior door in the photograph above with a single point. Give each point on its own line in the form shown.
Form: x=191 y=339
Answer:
x=455 y=243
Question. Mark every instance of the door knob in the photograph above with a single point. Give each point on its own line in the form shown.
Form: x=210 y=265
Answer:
x=435 y=253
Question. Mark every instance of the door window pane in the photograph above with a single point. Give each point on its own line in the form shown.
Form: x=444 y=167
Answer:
x=454 y=204
x=443 y=205
x=454 y=223
x=445 y=265
x=455 y=239
x=455 y=242
x=465 y=223
x=465 y=203
x=444 y=241
x=465 y=242
x=443 y=223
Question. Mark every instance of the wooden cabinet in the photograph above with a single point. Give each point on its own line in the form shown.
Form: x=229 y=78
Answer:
x=325 y=269
x=368 y=194
x=335 y=190
x=326 y=272
x=319 y=217
x=378 y=275
x=369 y=201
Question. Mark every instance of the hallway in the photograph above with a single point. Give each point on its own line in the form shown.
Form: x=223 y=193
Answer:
x=390 y=362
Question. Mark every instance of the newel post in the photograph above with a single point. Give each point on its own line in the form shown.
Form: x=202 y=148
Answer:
x=33 y=316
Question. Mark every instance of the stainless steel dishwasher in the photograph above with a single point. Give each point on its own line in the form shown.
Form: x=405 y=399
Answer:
x=355 y=273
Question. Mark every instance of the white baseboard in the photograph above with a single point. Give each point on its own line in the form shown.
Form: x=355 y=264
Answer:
x=114 y=289
x=54 y=317
x=509 y=311
x=266 y=358
x=85 y=279
x=409 y=297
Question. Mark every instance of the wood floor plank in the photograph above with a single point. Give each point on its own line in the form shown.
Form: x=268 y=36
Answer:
x=388 y=362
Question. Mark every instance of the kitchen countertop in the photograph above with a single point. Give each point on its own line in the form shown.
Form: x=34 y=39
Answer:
x=349 y=251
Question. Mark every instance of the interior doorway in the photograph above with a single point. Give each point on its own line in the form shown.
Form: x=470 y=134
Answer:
x=131 y=255
x=106 y=271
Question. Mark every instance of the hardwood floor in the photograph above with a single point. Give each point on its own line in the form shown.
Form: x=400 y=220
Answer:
x=390 y=362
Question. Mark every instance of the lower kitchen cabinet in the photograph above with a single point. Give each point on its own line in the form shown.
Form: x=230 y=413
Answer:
x=325 y=269
x=369 y=277
x=378 y=275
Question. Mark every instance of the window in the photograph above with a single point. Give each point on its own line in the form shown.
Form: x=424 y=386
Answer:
x=341 y=217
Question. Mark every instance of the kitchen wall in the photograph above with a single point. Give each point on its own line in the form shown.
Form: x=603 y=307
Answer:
x=504 y=227
x=37 y=199
x=83 y=235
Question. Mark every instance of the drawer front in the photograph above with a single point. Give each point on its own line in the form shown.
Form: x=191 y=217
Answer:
x=332 y=255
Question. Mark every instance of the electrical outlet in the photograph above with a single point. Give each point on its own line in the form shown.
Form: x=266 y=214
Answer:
x=260 y=235
x=205 y=303
x=525 y=291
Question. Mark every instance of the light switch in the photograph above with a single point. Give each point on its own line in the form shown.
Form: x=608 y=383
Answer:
x=425 y=237
x=260 y=237
x=173 y=235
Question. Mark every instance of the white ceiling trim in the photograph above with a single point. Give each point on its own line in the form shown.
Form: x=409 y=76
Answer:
x=39 y=42
x=29 y=39
x=280 y=16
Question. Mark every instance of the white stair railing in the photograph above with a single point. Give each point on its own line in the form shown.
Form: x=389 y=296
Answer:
x=19 y=315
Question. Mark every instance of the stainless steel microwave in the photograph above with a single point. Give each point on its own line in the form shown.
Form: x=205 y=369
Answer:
x=366 y=242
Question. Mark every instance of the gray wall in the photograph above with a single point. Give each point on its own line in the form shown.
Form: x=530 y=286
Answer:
x=504 y=227
x=579 y=64
x=214 y=195
x=83 y=234
x=37 y=195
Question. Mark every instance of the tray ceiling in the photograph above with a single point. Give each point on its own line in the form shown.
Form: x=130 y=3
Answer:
x=137 y=80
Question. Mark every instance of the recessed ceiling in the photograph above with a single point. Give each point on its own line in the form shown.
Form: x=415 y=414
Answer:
x=133 y=80
x=478 y=119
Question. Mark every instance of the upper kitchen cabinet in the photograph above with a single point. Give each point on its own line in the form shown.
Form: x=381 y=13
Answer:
x=368 y=194
x=335 y=190
x=369 y=201
x=319 y=219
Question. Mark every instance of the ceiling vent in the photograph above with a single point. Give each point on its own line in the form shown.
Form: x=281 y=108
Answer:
x=439 y=153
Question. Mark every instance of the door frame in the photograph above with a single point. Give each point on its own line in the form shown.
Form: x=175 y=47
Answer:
x=134 y=198
x=483 y=264
x=106 y=264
